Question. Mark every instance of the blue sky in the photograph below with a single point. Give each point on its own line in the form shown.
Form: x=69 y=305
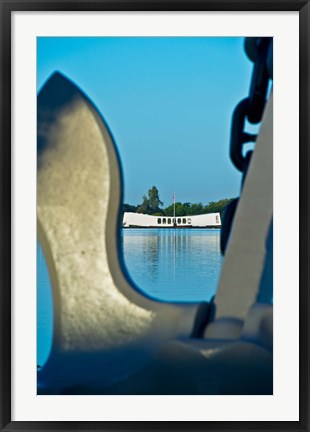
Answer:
x=168 y=102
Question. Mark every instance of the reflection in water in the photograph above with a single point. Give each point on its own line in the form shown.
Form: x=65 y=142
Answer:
x=44 y=309
x=173 y=264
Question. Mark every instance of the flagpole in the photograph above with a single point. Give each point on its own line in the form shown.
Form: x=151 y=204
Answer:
x=174 y=237
x=174 y=208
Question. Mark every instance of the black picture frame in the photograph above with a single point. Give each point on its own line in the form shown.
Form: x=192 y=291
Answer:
x=7 y=7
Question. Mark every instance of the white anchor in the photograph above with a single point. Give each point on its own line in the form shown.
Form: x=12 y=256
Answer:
x=108 y=337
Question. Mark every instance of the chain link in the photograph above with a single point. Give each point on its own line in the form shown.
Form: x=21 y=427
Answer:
x=259 y=50
x=238 y=136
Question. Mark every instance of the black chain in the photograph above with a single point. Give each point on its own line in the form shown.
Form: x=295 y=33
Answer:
x=259 y=50
x=238 y=136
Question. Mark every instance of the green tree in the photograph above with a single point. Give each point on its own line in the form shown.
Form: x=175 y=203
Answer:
x=188 y=209
x=151 y=203
x=144 y=206
x=154 y=201
x=129 y=208
x=219 y=206
x=197 y=208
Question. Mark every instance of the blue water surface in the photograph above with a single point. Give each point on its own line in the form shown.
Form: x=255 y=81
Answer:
x=44 y=309
x=173 y=264
x=167 y=264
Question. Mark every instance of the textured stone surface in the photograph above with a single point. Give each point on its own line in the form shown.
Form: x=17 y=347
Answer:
x=78 y=195
x=108 y=338
x=73 y=193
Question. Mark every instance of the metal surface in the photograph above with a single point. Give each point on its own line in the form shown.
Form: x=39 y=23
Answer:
x=98 y=316
x=238 y=137
x=245 y=255
x=259 y=51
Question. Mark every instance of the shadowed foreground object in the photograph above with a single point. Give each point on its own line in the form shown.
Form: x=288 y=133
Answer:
x=108 y=337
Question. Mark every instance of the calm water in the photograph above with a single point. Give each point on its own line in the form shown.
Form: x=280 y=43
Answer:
x=172 y=265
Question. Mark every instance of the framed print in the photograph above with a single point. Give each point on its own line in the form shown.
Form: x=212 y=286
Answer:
x=154 y=215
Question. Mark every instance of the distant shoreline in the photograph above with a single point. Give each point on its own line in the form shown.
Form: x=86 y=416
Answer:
x=171 y=228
